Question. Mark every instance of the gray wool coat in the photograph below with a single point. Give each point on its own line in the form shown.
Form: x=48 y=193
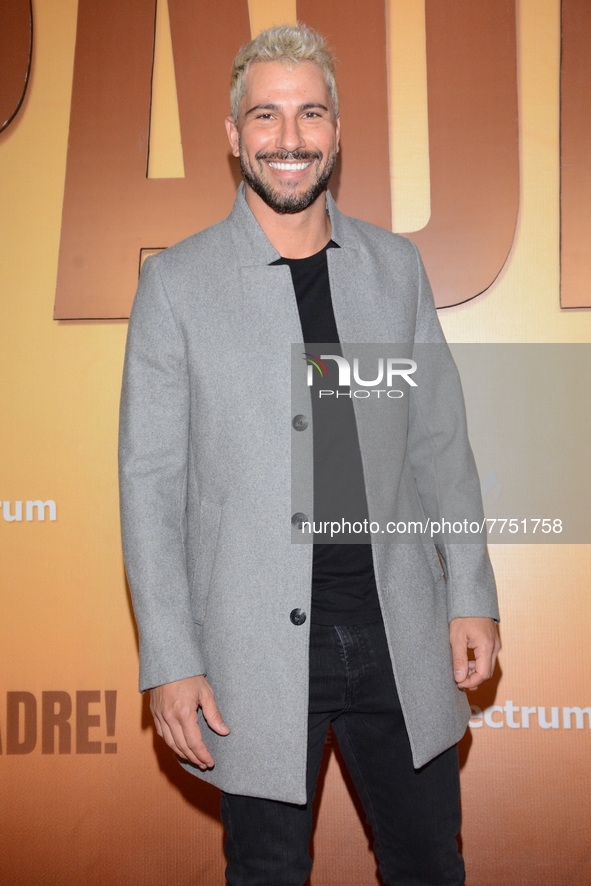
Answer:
x=206 y=438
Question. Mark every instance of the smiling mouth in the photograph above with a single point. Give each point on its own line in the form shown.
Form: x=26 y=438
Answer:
x=285 y=166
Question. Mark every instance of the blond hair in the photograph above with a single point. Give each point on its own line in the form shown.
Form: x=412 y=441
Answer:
x=285 y=43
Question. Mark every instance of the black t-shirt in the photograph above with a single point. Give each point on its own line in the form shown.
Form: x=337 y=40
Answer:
x=343 y=581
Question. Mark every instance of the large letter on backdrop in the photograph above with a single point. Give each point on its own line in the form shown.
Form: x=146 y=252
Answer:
x=575 y=156
x=112 y=210
x=473 y=145
x=16 y=51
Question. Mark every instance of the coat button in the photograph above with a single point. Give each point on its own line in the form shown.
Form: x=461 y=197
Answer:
x=299 y=422
x=297 y=616
x=298 y=519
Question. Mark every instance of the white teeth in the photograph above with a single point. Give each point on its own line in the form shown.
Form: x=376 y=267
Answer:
x=288 y=166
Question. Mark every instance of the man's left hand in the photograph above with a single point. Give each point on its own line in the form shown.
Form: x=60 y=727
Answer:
x=479 y=634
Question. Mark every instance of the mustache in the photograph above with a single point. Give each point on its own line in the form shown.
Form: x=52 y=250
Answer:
x=281 y=156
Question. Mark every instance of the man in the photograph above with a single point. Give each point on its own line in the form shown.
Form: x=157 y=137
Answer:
x=371 y=638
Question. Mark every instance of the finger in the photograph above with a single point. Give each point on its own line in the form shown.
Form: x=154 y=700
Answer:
x=479 y=670
x=460 y=660
x=164 y=731
x=187 y=738
x=486 y=656
x=471 y=682
x=201 y=755
x=212 y=715
x=483 y=663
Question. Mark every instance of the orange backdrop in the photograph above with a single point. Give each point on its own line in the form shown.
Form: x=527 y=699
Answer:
x=89 y=796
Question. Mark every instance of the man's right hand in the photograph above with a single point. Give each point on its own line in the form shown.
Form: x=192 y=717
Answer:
x=174 y=708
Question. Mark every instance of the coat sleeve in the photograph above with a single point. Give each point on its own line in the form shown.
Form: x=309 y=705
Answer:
x=153 y=459
x=444 y=468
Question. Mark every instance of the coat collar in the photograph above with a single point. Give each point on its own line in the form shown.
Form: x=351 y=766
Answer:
x=254 y=248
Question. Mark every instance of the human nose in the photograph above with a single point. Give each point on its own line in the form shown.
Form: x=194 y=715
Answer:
x=290 y=137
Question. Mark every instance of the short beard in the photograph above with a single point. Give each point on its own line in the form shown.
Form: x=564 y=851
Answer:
x=285 y=203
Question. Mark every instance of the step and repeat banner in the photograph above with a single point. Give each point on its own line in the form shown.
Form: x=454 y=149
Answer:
x=465 y=126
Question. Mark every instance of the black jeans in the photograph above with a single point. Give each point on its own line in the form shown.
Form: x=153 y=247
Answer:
x=414 y=814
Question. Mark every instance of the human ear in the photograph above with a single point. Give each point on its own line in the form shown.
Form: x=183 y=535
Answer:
x=233 y=135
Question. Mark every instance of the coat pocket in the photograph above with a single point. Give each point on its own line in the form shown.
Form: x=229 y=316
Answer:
x=434 y=561
x=435 y=564
x=204 y=559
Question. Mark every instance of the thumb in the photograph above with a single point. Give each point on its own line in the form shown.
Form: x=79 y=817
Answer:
x=460 y=660
x=213 y=717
